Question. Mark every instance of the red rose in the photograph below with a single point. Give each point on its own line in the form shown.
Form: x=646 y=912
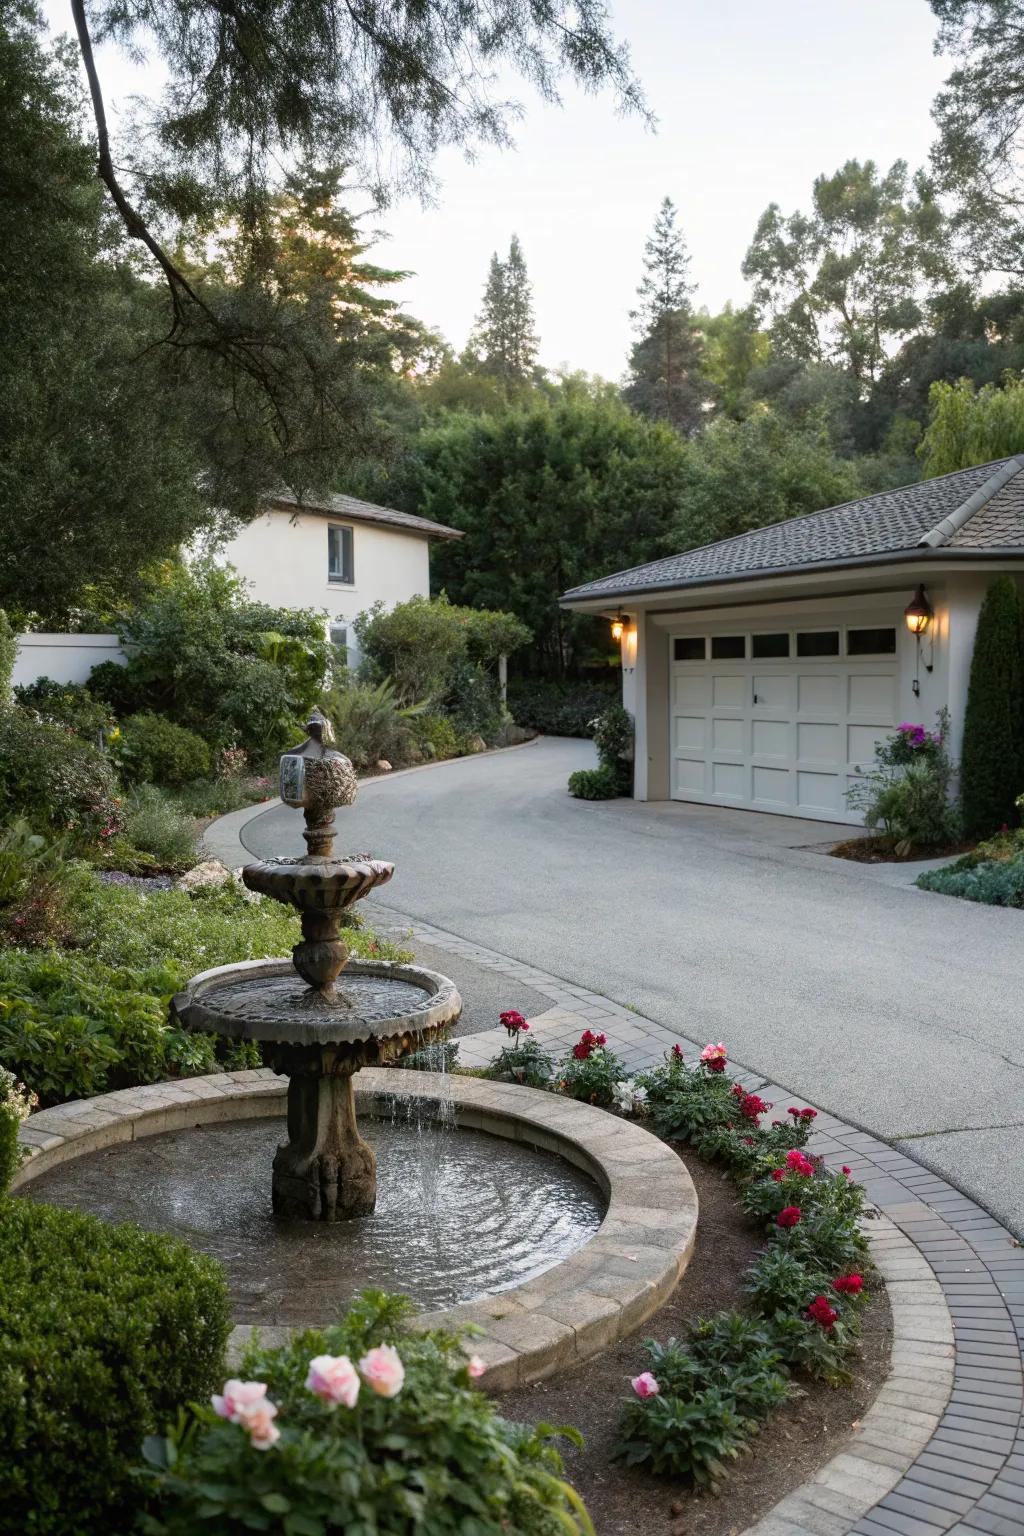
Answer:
x=778 y=1174
x=846 y=1170
x=852 y=1285
x=789 y=1216
x=820 y=1312
x=797 y=1163
x=581 y=1051
x=677 y=1052
x=808 y=1114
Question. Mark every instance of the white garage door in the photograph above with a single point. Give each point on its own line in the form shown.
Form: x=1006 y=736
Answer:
x=780 y=720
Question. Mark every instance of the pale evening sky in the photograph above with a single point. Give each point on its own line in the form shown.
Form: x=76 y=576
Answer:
x=753 y=100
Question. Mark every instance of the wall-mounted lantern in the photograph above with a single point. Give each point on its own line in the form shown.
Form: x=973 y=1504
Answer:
x=919 y=614
x=618 y=626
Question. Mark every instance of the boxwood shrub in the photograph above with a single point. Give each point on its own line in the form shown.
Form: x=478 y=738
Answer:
x=104 y=1331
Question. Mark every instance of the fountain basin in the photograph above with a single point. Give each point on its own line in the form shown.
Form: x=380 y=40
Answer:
x=322 y=886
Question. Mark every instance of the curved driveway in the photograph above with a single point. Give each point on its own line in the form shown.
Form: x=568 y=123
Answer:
x=895 y=1009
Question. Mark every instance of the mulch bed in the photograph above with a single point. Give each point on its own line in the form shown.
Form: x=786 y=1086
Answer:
x=878 y=850
x=797 y=1440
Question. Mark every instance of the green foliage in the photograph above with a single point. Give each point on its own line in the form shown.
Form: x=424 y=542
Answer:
x=37 y=887
x=153 y=750
x=591 y=1078
x=524 y=1062
x=440 y=1056
x=613 y=735
x=435 y=736
x=780 y=1280
x=560 y=708
x=473 y=702
x=992 y=756
x=424 y=646
x=16 y=1103
x=907 y=791
x=54 y=779
x=210 y=660
x=69 y=704
x=995 y=883
x=969 y=426
x=370 y=722
x=715 y=1392
x=156 y=826
x=434 y=1460
x=503 y=345
x=8 y=656
x=604 y=783
x=569 y=477
x=103 y=1332
x=666 y=381
x=215 y=797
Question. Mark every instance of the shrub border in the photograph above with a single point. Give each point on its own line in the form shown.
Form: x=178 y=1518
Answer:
x=596 y=1296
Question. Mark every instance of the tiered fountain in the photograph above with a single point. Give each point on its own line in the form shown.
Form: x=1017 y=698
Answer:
x=313 y=1030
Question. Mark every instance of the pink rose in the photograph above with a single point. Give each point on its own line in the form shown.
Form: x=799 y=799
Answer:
x=383 y=1371
x=259 y=1424
x=334 y=1379
x=714 y=1057
x=239 y=1399
x=645 y=1385
x=475 y=1367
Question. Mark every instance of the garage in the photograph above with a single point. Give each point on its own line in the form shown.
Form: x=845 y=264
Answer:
x=780 y=719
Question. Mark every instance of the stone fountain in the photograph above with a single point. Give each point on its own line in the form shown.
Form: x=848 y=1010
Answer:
x=321 y=1016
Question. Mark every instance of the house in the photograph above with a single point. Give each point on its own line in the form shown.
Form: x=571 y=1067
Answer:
x=339 y=554
x=762 y=670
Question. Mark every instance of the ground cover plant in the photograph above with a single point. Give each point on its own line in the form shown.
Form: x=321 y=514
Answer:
x=700 y=1398
x=367 y=1429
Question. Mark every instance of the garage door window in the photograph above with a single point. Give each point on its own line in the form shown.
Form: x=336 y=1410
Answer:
x=728 y=647
x=689 y=648
x=817 y=642
x=871 y=642
x=766 y=647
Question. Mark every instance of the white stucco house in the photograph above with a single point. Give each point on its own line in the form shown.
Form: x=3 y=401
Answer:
x=762 y=670
x=339 y=554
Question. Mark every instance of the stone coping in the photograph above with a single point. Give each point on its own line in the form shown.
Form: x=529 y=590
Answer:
x=598 y=1295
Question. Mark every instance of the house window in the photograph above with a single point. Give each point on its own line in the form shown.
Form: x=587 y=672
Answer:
x=728 y=647
x=766 y=647
x=817 y=642
x=688 y=648
x=339 y=637
x=871 y=642
x=340 y=564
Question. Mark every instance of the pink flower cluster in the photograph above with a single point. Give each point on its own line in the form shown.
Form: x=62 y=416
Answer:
x=714 y=1057
x=513 y=1022
x=917 y=736
x=645 y=1385
x=246 y=1403
x=331 y=1378
x=587 y=1044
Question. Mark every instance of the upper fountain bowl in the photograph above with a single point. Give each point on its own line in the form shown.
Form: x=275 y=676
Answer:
x=327 y=885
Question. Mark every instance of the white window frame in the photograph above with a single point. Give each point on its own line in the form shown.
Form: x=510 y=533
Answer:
x=342 y=580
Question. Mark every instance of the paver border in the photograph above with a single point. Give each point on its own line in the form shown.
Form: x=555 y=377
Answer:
x=597 y=1295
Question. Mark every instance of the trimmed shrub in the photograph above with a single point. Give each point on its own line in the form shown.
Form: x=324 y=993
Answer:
x=435 y=1457
x=104 y=1331
x=435 y=736
x=55 y=780
x=153 y=750
x=604 y=783
x=992 y=758
x=418 y=644
x=561 y=709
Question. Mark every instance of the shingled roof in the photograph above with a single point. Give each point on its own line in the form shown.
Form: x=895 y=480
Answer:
x=979 y=510
x=351 y=509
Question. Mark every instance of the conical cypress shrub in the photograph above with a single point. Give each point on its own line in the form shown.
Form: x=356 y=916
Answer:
x=992 y=761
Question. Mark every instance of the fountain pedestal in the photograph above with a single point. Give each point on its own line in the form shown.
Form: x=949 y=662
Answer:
x=316 y=1031
x=325 y=1171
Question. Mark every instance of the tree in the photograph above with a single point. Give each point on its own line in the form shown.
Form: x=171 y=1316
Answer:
x=734 y=346
x=980 y=118
x=970 y=426
x=665 y=381
x=845 y=283
x=992 y=756
x=551 y=492
x=504 y=343
x=742 y=475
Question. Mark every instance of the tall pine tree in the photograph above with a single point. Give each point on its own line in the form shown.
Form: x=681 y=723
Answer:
x=504 y=341
x=665 y=380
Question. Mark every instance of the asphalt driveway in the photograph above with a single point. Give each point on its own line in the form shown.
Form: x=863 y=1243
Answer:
x=896 y=1009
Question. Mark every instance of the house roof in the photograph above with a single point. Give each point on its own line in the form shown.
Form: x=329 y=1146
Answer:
x=979 y=510
x=351 y=509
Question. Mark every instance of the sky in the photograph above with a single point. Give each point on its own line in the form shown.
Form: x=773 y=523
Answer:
x=754 y=98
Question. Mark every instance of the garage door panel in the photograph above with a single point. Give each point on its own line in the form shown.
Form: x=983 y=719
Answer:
x=729 y=781
x=861 y=741
x=773 y=786
x=819 y=792
x=729 y=690
x=818 y=741
x=691 y=690
x=691 y=776
x=772 y=738
x=819 y=693
x=873 y=694
x=728 y=735
x=774 y=690
x=691 y=733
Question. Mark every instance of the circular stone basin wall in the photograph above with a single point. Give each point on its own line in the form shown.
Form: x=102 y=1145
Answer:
x=556 y=1313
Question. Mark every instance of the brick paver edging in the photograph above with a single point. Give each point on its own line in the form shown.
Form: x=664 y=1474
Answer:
x=598 y=1295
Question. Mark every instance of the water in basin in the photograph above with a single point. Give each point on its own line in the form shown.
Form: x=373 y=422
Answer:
x=459 y=1214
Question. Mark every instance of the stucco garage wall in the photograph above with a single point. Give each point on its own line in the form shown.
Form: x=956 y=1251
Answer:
x=65 y=658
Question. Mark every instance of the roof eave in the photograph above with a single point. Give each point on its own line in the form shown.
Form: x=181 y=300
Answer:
x=579 y=596
x=323 y=509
